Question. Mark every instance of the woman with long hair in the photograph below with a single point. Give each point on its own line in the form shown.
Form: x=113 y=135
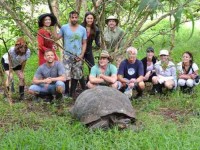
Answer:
x=44 y=36
x=187 y=72
x=148 y=63
x=15 y=60
x=92 y=35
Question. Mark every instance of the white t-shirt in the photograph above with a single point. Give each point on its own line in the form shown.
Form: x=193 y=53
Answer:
x=16 y=59
x=192 y=69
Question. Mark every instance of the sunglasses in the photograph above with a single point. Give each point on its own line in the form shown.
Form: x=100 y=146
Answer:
x=163 y=55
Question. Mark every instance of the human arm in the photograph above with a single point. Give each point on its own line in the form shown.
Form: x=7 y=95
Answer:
x=56 y=35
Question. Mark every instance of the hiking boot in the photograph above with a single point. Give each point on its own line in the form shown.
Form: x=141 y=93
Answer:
x=59 y=92
x=48 y=98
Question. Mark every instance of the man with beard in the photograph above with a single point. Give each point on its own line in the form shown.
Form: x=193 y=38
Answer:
x=113 y=34
x=75 y=37
x=49 y=79
x=104 y=73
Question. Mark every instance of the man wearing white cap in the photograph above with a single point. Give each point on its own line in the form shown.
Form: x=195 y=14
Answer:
x=113 y=34
x=131 y=74
x=104 y=73
x=165 y=73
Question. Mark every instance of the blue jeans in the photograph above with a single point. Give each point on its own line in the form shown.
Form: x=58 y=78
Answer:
x=47 y=88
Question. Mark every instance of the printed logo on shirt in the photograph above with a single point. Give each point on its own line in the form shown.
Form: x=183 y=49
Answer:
x=131 y=71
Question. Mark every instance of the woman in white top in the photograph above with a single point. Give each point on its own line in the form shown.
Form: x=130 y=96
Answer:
x=165 y=73
x=187 y=72
x=15 y=60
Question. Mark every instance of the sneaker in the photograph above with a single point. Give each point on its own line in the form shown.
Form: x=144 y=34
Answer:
x=129 y=93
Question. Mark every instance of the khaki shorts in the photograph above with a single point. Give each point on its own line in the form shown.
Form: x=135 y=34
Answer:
x=73 y=69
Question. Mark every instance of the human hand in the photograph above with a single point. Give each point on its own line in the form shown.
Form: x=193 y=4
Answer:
x=54 y=47
x=48 y=80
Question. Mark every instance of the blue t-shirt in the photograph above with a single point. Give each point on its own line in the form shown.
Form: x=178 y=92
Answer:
x=73 y=39
x=129 y=71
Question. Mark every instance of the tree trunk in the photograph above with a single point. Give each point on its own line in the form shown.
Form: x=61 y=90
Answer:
x=78 y=5
x=18 y=21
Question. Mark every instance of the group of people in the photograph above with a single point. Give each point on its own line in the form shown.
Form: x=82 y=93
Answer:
x=53 y=77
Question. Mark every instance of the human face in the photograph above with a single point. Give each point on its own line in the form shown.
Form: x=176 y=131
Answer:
x=47 y=21
x=164 y=58
x=103 y=61
x=131 y=56
x=89 y=20
x=49 y=57
x=186 y=58
x=150 y=54
x=74 y=19
x=112 y=24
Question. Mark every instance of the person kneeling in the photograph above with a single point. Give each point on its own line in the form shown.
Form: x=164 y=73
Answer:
x=165 y=74
x=49 y=79
x=104 y=73
x=187 y=73
x=130 y=74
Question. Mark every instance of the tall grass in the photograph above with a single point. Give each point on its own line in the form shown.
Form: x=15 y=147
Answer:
x=164 y=122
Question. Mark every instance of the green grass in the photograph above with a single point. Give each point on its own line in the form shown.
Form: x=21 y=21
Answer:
x=164 y=122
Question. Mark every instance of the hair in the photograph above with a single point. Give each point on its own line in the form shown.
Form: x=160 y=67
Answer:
x=93 y=26
x=72 y=13
x=48 y=50
x=21 y=42
x=191 y=56
x=132 y=49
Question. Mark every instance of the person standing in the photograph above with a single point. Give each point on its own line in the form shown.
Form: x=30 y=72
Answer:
x=131 y=74
x=44 y=36
x=75 y=37
x=15 y=60
x=113 y=34
x=49 y=78
x=92 y=35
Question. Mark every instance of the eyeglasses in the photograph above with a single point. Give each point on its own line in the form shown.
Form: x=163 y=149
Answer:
x=163 y=55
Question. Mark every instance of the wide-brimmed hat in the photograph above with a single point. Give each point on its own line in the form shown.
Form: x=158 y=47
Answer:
x=41 y=17
x=150 y=49
x=104 y=54
x=164 y=52
x=112 y=18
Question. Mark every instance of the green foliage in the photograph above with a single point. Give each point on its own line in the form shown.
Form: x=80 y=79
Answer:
x=163 y=122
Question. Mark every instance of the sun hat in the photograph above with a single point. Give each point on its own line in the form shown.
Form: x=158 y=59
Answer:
x=41 y=18
x=164 y=52
x=104 y=54
x=112 y=18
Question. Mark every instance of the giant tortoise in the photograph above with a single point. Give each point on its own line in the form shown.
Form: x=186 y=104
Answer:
x=103 y=107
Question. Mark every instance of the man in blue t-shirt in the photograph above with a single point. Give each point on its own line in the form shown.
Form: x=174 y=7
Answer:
x=130 y=74
x=75 y=37
x=103 y=73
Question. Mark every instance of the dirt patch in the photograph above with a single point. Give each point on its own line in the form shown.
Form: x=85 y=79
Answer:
x=174 y=114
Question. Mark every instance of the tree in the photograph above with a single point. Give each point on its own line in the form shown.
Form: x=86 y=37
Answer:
x=137 y=17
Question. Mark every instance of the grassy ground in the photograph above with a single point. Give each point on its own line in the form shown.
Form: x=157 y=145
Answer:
x=164 y=122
